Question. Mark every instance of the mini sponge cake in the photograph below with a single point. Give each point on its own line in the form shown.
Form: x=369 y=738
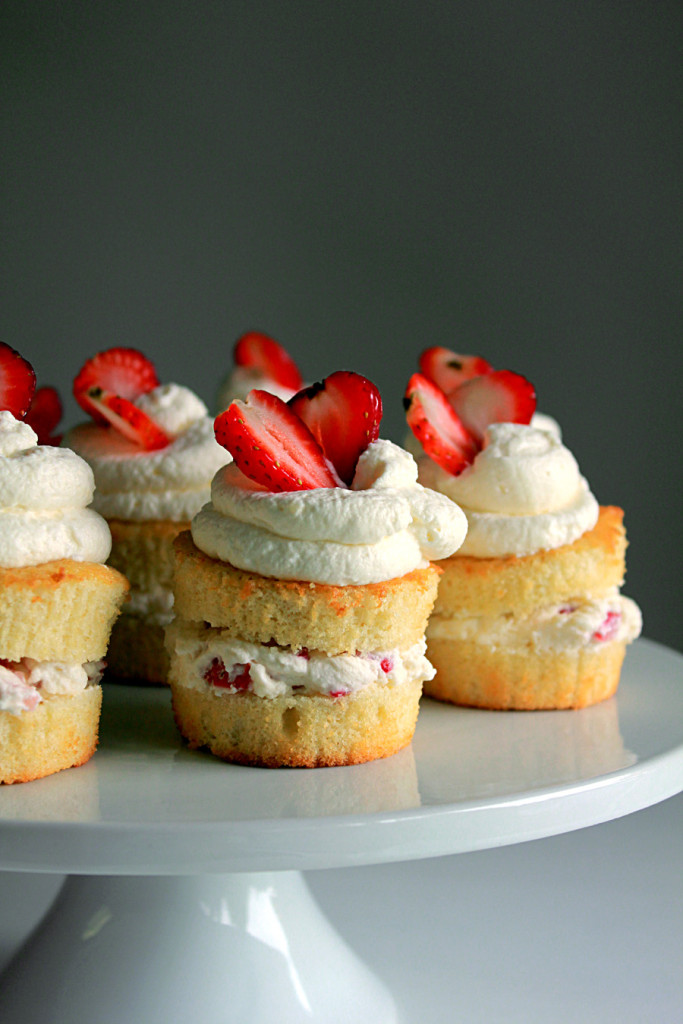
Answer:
x=548 y=630
x=55 y=619
x=232 y=624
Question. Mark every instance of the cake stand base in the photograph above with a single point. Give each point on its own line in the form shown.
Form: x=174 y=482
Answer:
x=252 y=948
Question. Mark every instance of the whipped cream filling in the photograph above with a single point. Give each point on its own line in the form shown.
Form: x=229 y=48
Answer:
x=209 y=659
x=522 y=494
x=154 y=605
x=27 y=683
x=171 y=483
x=44 y=492
x=569 y=626
x=381 y=528
x=243 y=379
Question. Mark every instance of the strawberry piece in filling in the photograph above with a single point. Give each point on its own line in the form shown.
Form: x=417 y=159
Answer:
x=609 y=628
x=237 y=677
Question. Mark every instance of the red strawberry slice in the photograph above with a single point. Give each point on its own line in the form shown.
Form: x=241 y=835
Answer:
x=437 y=427
x=17 y=382
x=498 y=397
x=272 y=446
x=257 y=350
x=122 y=371
x=448 y=369
x=343 y=412
x=130 y=421
x=44 y=415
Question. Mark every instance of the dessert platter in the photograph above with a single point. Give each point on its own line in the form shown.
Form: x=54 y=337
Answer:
x=185 y=894
x=300 y=646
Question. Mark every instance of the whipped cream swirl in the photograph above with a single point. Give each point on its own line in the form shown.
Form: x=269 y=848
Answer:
x=522 y=494
x=243 y=379
x=383 y=527
x=44 y=492
x=170 y=483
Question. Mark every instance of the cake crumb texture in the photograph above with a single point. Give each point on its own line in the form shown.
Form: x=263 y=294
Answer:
x=60 y=733
x=591 y=566
x=333 y=619
x=297 y=730
x=475 y=675
x=59 y=611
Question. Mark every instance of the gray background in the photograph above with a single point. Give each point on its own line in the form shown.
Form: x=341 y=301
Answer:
x=361 y=180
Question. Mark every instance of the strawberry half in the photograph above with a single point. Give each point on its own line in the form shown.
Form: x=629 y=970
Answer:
x=257 y=350
x=122 y=371
x=17 y=382
x=130 y=421
x=271 y=445
x=448 y=369
x=436 y=425
x=44 y=415
x=498 y=397
x=343 y=412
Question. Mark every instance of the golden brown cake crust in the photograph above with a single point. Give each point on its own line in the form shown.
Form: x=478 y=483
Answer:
x=332 y=619
x=60 y=733
x=591 y=566
x=299 y=731
x=472 y=674
x=59 y=611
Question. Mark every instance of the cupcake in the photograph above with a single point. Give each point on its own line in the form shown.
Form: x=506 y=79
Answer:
x=260 y=363
x=529 y=613
x=152 y=450
x=303 y=590
x=57 y=600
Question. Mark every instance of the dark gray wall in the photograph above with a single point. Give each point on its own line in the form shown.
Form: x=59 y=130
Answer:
x=361 y=180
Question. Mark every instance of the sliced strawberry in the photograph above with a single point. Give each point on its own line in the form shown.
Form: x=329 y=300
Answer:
x=448 y=369
x=44 y=415
x=130 y=421
x=343 y=412
x=271 y=445
x=257 y=350
x=122 y=371
x=498 y=397
x=436 y=426
x=17 y=382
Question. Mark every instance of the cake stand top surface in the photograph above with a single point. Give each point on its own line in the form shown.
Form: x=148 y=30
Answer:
x=145 y=804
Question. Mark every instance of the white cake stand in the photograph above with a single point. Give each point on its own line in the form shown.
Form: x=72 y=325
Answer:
x=185 y=899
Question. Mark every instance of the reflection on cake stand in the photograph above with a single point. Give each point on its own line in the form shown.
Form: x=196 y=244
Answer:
x=185 y=897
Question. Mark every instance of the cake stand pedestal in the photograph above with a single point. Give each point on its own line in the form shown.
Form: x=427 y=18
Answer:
x=185 y=899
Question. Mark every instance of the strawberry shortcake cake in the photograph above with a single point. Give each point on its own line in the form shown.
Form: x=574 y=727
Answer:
x=529 y=612
x=263 y=363
x=57 y=599
x=303 y=589
x=153 y=452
